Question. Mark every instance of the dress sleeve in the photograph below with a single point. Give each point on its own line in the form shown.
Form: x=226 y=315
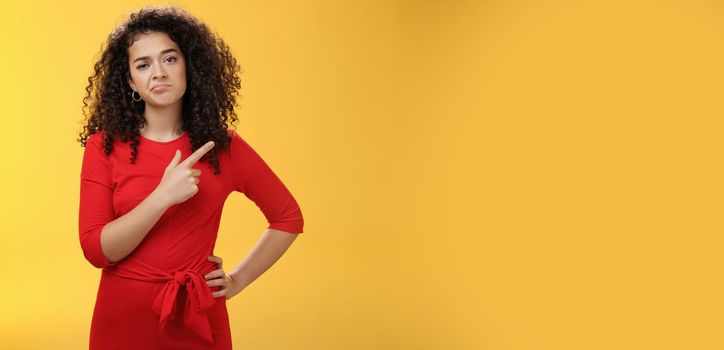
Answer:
x=256 y=180
x=96 y=201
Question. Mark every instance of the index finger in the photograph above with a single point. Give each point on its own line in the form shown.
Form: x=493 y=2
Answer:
x=193 y=158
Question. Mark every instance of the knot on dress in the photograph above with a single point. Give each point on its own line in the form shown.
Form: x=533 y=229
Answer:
x=198 y=300
x=180 y=277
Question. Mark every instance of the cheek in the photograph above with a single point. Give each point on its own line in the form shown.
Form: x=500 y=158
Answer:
x=137 y=79
x=181 y=73
x=181 y=76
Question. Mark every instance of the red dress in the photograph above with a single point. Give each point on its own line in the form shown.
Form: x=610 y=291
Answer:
x=157 y=297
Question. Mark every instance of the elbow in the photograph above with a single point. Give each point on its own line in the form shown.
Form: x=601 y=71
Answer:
x=293 y=226
x=95 y=261
x=289 y=219
x=92 y=250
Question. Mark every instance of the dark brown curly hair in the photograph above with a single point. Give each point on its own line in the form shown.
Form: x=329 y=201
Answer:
x=211 y=87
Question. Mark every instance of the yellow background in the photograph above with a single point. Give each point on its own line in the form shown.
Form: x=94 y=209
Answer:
x=473 y=174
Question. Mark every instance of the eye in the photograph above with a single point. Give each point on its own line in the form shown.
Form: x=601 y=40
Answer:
x=139 y=67
x=172 y=58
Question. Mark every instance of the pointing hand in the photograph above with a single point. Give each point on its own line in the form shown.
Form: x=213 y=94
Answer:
x=179 y=182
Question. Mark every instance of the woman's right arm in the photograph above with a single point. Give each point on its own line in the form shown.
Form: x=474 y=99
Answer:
x=106 y=239
x=121 y=236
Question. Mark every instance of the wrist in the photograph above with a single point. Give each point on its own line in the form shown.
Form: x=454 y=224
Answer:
x=158 y=200
x=237 y=280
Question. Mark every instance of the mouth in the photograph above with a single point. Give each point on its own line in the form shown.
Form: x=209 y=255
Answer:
x=160 y=87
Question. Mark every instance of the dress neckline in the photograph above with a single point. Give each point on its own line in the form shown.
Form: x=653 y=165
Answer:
x=164 y=142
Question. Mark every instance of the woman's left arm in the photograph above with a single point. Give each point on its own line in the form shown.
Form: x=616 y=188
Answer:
x=267 y=250
x=257 y=181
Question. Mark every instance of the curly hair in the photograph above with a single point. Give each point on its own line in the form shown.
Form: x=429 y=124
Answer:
x=211 y=88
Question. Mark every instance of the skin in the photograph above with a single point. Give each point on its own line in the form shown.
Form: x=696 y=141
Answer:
x=267 y=250
x=156 y=59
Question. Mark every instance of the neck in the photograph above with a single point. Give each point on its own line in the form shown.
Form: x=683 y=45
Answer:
x=162 y=122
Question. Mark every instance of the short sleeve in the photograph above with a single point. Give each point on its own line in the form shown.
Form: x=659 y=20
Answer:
x=256 y=180
x=96 y=200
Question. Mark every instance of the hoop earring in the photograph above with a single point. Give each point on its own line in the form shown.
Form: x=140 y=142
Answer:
x=133 y=98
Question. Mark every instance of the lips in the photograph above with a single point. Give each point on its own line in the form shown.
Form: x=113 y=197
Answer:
x=159 y=87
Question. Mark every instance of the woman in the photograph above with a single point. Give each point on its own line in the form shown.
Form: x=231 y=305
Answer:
x=158 y=164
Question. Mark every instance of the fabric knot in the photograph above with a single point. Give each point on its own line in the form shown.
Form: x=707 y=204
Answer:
x=198 y=300
x=180 y=277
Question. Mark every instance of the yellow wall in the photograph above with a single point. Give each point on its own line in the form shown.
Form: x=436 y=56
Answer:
x=473 y=174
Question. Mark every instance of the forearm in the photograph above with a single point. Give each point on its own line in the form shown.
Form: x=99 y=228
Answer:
x=268 y=249
x=122 y=235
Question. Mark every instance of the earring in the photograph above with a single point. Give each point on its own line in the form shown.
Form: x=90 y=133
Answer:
x=133 y=98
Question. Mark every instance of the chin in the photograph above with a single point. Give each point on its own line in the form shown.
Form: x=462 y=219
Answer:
x=164 y=103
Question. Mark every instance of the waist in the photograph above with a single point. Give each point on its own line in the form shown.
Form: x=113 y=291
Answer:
x=136 y=269
x=198 y=300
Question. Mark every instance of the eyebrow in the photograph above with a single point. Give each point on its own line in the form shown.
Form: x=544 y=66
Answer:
x=162 y=52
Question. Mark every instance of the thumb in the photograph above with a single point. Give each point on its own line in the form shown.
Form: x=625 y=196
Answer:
x=176 y=159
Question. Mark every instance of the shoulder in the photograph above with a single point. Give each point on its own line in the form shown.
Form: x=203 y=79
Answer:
x=96 y=139
x=236 y=139
x=232 y=133
x=240 y=148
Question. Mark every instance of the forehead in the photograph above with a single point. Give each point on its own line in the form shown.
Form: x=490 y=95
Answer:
x=150 y=45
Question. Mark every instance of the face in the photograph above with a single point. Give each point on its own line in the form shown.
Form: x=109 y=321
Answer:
x=158 y=69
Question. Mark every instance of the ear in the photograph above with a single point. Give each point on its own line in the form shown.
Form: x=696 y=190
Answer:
x=130 y=82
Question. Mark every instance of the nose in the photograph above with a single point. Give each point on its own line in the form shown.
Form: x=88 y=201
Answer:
x=159 y=72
